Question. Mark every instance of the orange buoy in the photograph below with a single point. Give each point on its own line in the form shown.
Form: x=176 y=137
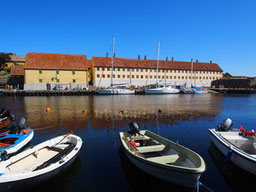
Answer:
x=48 y=109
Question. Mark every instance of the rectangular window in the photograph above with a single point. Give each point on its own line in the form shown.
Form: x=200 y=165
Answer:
x=203 y=77
x=108 y=76
x=98 y=75
x=155 y=77
x=166 y=77
x=98 y=68
x=137 y=70
x=178 y=71
x=123 y=69
x=132 y=69
x=114 y=76
x=213 y=72
x=128 y=76
x=141 y=70
x=178 y=77
x=141 y=76
x=146 y=70
x=213 y=77
x=40 y=81
x=174 y=71
x=154 y=70
x=186 y=77
x=108 y=69
x=174 y=77
x=159 y=70
x=118 y=69
x=170 y=71
x=170 y=77
x=73 y=72
x=113 y=69
x=137 y=76
x=182 y=77
x=40 y=71
x=150 y=76
x=74 y=81
x=128 y=69
x=133 y=76
x=103 y=76
x=123 y=76
x=162 y=77
x=159 y=77
x=57 y=80
x=200 y=77
x=57 y=72
x=150 y=70
x=118 y=76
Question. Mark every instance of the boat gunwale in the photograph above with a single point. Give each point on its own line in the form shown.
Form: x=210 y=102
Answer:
x=196 y=170
x=231 y=146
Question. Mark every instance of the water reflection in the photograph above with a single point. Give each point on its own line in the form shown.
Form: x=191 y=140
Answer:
x=237 y=179
x=98 y=112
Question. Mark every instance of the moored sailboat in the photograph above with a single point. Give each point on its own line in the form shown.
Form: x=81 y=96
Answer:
x=114 y=90
x=160 y=89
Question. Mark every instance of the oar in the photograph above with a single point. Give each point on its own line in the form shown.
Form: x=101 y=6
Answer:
x=132 y=147
x=71 y=132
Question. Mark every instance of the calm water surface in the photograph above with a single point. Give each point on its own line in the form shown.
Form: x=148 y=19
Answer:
x=102 y=166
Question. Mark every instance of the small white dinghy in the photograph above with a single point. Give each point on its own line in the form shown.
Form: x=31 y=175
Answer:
x=39 y=163
x=161 y=157
x=238 y=145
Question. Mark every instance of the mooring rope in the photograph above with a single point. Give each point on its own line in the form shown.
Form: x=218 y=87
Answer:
x=200 y=183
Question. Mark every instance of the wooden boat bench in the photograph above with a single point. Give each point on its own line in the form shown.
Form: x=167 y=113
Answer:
x=154 y=148
x=164 y=159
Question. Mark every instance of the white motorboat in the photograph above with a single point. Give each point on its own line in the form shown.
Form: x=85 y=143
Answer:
x=115 y=91
x=237 y=145
x=39 y=163
x=162 y=90
x=187 y=90
x=161 y=157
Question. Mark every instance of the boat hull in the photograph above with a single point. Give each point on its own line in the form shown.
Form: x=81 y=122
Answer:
x=161 y=91
x=176 y=176
x=238 y=157
x=115 y=92
x=4 y=123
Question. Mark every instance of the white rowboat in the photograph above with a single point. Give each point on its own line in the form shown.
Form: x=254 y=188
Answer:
x=237 y=147
x=39 y=163
x=163 y=158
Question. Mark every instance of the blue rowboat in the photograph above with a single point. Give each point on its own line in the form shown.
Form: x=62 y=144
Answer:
x=14 y=139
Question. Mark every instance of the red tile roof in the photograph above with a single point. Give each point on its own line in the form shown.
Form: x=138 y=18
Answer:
x=56 y=61
x=17 y=70
x=152 y=64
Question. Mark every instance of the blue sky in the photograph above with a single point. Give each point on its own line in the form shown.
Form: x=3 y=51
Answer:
x=223 y=31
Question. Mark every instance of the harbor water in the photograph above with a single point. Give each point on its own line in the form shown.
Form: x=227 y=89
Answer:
x=102 y=165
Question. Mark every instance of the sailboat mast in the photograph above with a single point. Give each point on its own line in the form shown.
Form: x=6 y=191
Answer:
x=191 y=71
x=158 y=50
x=112 y=63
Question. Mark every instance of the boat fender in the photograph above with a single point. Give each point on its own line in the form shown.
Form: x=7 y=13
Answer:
x=228 y=156
x=133 y=143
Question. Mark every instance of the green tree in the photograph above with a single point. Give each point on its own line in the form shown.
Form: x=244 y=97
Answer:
x=227 y=76
x=4 y=57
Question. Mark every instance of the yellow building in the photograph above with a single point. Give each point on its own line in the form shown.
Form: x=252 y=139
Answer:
x=15 y=60
x=56 y=71
x=140 y=72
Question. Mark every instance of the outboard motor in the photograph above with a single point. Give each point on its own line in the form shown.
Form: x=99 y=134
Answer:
x=135 y=129
x=225 y=125
x=22 y=124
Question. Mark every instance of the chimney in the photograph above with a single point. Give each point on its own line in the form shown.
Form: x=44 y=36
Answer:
x=107 y=54
x=114 y=55
x=138 y=56
x=172 y=59
x=145 y=57
x=210 y=61
x=166 y=58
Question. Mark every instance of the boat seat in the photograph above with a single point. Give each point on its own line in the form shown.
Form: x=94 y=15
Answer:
x=153 y=148
x=165 y=159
